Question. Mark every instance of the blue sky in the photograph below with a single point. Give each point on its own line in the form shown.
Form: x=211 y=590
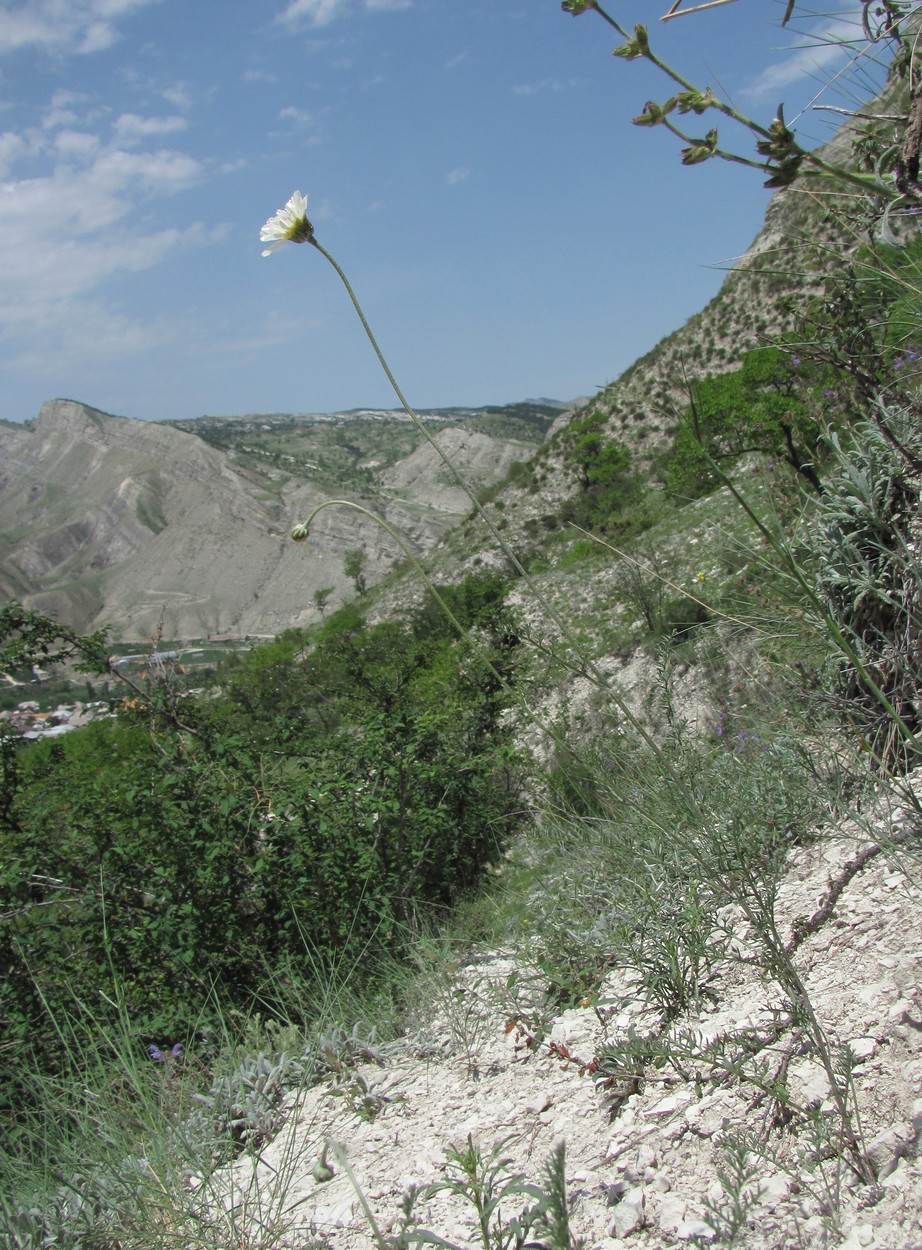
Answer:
x=470 y=163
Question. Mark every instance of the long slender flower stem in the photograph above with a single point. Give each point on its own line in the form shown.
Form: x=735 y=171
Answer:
x=587 y=666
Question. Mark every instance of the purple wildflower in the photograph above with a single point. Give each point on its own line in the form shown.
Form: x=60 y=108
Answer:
x=161 y=1056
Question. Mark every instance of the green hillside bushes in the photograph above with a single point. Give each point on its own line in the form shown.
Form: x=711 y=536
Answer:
x=614 y=500
x=332 y=798
x=772 y=405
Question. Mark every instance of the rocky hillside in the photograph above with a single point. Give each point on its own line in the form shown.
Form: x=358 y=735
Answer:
x=649 y=1146
x=106 y=520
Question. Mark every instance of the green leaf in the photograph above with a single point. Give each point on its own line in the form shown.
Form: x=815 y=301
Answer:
x=696 y=101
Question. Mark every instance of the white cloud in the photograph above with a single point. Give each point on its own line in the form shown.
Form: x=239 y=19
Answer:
x=178 y=95
x=316 y=12
x=12 y=146
x=61 y=111
x=77 y=144
x=323 y=12
x=299 y=116
x=68 y=26
x=67 y=231
x=96 y=38
x=454 y=176
x=130 y=127
x=820 y=54
x=533 y=88
x=85 y=333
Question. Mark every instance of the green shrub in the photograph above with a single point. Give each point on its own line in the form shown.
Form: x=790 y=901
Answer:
x=612 y=500
x=769 y=405
x=330 y=798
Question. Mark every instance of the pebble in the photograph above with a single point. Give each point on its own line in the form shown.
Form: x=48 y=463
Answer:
x=671 y=1104
x=863 y=1047
x=671 y=1212
x=860 y=1236
x=629 y=1214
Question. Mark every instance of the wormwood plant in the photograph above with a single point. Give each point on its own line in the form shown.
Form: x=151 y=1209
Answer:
x=673 y=852
x=738 y=1174
x=126 y=1147
x=861 y=554
x=488 y=1185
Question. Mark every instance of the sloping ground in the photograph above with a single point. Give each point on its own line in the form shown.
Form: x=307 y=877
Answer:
x=423 y=475
x=643 y=1155
x=107 y=520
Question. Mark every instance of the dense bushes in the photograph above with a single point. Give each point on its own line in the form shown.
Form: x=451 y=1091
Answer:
x=328 y=797
x=613 y=500
x=771 y=405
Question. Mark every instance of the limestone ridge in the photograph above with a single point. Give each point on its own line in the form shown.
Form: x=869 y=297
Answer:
x=806 y=234
x=109 y=520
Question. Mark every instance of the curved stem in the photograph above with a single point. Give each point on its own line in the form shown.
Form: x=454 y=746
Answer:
x=587 y=667
x=303 y=529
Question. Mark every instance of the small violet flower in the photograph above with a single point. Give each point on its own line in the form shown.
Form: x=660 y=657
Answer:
x=289 y=225
x=161 y=1056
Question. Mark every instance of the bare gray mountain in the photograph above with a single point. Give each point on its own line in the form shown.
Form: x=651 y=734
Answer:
x=108 y=520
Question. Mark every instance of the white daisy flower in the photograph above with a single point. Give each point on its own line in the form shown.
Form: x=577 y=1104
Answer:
x=289 y=225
